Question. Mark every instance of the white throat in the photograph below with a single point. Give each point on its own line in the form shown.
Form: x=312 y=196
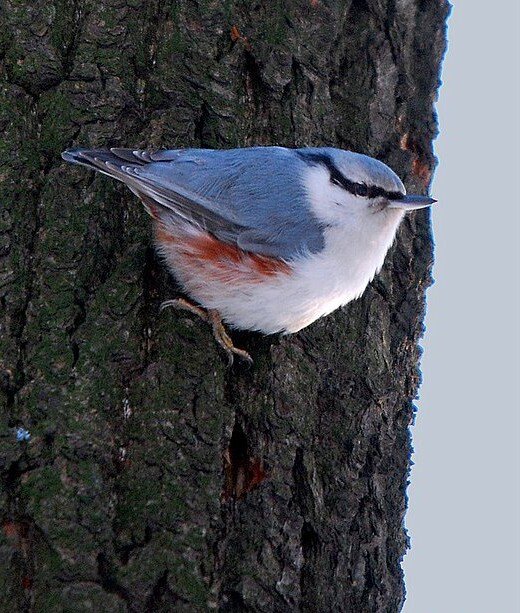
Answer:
x=357 y=240
x=347 y=264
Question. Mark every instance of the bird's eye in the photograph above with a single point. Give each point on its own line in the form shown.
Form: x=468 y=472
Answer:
x=360 y=189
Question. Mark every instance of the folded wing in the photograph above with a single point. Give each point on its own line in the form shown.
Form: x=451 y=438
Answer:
x=253 y=198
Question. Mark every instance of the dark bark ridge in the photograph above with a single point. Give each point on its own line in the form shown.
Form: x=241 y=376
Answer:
x=155 y=478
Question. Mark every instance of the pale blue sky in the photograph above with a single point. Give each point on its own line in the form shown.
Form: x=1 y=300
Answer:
x=464 y=510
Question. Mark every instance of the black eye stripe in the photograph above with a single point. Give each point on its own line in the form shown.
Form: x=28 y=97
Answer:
x=358 y=189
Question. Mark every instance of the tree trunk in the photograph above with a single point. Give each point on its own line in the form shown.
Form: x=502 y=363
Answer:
x=155 y=477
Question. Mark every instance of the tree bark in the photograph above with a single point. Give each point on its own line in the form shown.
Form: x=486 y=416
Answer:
x=156 y=478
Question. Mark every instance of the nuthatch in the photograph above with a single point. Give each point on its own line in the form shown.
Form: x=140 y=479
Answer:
x=265 y=238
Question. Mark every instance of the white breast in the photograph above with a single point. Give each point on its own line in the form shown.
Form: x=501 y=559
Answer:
x=319 y=283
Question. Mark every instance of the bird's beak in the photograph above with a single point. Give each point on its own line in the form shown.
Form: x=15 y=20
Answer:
x=411 y=202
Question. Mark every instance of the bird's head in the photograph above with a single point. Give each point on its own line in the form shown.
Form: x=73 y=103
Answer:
x=351 y=188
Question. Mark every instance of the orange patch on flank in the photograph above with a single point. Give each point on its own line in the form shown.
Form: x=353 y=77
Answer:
x=221 y=254
x=209 y=254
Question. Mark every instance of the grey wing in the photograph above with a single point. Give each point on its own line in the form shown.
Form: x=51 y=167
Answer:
x=249 y=197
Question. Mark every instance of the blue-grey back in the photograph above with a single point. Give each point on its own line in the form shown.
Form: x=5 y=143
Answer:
x=261 y=189
x=253 y=197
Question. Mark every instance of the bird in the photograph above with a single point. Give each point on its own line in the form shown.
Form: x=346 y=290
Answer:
x=267 y=239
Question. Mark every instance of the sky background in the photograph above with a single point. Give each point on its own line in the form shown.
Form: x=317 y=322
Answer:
x=464 y=497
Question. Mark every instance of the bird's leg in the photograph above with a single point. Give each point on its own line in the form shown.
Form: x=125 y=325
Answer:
x=212 y=317
x=223 y=339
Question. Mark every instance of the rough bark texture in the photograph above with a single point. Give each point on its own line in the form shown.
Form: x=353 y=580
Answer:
x=156 y=478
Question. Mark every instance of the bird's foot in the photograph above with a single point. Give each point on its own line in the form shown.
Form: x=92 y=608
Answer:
x=223 y=338
x=212 y=317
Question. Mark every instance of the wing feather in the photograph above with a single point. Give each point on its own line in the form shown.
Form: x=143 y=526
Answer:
x=247 y=197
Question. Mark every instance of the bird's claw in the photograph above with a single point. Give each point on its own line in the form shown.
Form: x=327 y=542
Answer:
x=224 y=340
x=185 y=305
x=213 y=318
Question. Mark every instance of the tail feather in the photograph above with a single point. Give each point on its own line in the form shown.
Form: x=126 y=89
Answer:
x=166 y=201
x=111 y=162
x=96 y=158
